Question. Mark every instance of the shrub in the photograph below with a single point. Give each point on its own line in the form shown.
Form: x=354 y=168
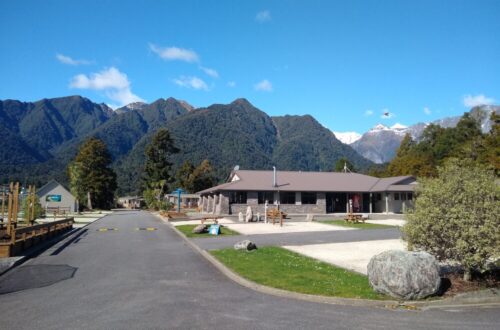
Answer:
x=455 y=216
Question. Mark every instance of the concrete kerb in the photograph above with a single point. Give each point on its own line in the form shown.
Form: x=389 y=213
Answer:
x=10 y=264
x=390 y=304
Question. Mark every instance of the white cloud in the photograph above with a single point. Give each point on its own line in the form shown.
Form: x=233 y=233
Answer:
x=231 y=84
x=211 y=72
x=70 y=61
x=263 y=16
x=191 y=82
x=368 y=113
x=386 y=114
x=473 y=101
x=427 y=111
x=114 y=83
x=110 y=78
x=175 y=53
x=264 y=86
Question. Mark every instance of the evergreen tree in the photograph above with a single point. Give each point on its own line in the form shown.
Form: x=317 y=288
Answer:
x=158 y=164
x=91 y=176
x=344 y=162
x=203 y=176
x=184 y=176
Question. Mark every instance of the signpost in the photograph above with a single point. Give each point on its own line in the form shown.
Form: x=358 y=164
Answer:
x=178 y=191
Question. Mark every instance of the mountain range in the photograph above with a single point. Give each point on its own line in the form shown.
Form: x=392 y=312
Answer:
x=39 y=139
x=381 y=142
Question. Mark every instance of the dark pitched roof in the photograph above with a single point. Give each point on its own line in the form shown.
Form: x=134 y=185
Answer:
x=247 y=180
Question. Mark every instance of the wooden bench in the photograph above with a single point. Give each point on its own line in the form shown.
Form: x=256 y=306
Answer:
x=211 y=217
x=275 y=214
x=58 y=210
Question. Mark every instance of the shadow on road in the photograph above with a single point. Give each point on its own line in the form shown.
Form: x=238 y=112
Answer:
x=35 y=276
x=75 y=239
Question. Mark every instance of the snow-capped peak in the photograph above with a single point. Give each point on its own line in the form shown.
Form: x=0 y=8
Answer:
x=347 y=137
x=135 y=105
x=380 y=127
x=398 y=127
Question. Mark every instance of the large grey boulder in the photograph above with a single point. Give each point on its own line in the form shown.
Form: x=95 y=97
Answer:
x=200 y=229
x=245 y=245
x=404 y=275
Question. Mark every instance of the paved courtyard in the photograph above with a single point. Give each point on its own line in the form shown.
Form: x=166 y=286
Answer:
x=350 y=255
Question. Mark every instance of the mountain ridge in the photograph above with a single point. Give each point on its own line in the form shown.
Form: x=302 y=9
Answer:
x=381 y=142
x=231 y=134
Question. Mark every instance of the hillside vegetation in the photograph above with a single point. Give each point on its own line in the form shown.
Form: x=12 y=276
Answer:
x=41 y=138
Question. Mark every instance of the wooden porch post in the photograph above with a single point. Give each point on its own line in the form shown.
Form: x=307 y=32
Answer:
x=386 y=203
x=371 y=203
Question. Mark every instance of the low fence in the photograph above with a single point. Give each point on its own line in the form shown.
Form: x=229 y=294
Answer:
x=16 y=240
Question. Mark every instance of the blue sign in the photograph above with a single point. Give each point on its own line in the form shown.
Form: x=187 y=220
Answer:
x=53 y=198
x=214 y=230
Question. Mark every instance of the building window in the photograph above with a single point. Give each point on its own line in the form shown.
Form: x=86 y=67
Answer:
x=378 y=197
x=410 y=196
x=288 y=198
x=308 y=198
x=403 y=196
x=238 y=197
x=264 y=196
x=396 y=196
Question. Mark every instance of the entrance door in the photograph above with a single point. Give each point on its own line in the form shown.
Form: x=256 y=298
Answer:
x=336 y=202
x=366 y=203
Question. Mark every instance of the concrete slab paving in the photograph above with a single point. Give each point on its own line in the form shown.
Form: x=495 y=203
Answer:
x=258 y=228
x=351 y=255
x=388 y=222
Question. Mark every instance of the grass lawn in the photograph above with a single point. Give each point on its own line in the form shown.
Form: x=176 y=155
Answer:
x=187 y=230
x=358 y=225
x=283 y=269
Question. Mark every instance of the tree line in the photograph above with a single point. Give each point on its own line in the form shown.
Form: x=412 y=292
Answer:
x=93 y=181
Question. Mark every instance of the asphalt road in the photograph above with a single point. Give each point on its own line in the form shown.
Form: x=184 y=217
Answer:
x=139 y=279
x=318 y=237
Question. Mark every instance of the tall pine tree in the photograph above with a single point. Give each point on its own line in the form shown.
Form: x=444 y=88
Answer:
x=92 y=181
x=158 y=165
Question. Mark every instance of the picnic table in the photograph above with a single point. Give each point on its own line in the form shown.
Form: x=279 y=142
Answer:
x=275 y=214
x=354 y=218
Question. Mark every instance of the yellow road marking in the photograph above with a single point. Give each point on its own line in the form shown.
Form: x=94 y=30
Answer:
x=107 y=229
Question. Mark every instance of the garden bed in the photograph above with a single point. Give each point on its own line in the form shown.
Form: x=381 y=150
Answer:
x=187 y=230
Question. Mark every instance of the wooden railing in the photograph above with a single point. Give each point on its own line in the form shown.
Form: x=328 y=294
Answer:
x=15 y=240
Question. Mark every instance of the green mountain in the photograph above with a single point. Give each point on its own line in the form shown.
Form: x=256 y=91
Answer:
x=46 y=136
x=31 y=130
x=303 y=143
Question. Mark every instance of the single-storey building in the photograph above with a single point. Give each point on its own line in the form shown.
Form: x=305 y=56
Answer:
x=187 y=200
x=130 y=202
x=53 y=196
x=308 y=192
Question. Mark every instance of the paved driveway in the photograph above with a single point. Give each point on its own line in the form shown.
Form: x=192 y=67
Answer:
x=145 y=279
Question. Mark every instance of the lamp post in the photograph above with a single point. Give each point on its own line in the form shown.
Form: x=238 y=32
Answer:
x=178 y=191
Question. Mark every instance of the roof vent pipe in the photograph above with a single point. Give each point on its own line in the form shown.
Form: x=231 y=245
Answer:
x=274 y=176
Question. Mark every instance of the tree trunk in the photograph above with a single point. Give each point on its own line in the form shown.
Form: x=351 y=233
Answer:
x=89 y=201
x=467 y=275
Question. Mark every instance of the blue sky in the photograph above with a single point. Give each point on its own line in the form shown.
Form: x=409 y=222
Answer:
x=344 y=62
